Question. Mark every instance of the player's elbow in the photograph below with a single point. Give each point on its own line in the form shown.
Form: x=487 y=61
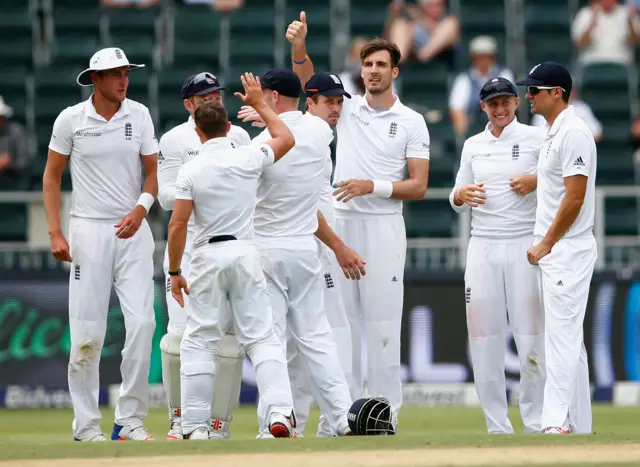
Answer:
x=420 y=190
x=575 y=201
x=177 y=225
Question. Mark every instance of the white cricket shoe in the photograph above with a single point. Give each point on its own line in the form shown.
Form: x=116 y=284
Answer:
x=556 y=430
x=175 y=432
x=128 y=433
x=280 y=426
x=96 y=437
x=199 y=434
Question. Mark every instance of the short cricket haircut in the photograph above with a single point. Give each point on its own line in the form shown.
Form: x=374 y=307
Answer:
x=376 y=45
x=211 y=117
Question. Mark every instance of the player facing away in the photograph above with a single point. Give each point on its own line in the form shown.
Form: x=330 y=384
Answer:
x=285 y=222
x=325 y=97
x=379 y=139
x=564 y=246
x=495 y=180
x=177 y=147
x=107 y=139
x=227 y=285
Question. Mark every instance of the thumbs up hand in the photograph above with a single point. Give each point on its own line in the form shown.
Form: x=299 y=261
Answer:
x=297 y=30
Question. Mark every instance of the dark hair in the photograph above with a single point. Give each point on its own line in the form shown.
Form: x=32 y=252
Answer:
x=211 y=117
x=376 y=45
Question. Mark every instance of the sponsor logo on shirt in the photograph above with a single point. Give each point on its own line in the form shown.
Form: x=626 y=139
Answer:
x=328 y=281
x=160 y=158
x=357 y=117
x=192 y=152
x=480 y=156
x=86 y=134
x=393 y=130
x=265 y=151
x=579 y=163
x=128 y=131
x=467 y=295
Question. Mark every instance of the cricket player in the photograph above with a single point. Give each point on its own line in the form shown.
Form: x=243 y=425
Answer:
x=325 y=98
x=496 y=178
x=108 y=139
x=285 y=221
x=227 y=284
x=178 y=146
x=564 y=247
x=379 y=139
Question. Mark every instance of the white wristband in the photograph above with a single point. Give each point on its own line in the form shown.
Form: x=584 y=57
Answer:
x=382 y=188
x=146 y=201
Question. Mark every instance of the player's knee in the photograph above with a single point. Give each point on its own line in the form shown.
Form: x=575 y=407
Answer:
x=170 y=343
x=266 y=349
x=82 y=355
x=142 y=325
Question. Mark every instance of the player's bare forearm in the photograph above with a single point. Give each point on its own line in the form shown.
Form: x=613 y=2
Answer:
x=303 y=70
x=176 y=241
x=51 y=192
x=150 y=164
x=566 y=216
x=410 y=189
x=326 y=234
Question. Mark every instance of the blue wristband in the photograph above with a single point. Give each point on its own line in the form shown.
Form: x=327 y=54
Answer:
x=299 y=63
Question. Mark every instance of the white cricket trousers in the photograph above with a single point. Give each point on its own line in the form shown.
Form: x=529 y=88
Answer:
x=302 y=385
x=565 y=278
x=292 y=269
x=100 y=261
x=228 y=289
x=501 y=288
x=177 y=314
x=378 y=297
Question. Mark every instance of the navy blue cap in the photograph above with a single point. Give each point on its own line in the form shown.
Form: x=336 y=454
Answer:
x=282 y=80
x=548 y=74
x=325 y=84
x=199 y=84
x=497 y=87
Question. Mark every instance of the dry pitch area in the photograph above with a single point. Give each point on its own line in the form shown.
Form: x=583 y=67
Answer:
x=427 y=437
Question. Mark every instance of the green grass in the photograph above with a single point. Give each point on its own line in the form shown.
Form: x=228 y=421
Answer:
x=46 y=433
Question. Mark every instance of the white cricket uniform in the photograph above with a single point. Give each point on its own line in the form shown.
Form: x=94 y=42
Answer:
x=106 y=172
x=499 y=281
x=286 y=220
x=565 y=273
x=303 y=389
x=375 y=144
x=177 y=147
x=227 y=285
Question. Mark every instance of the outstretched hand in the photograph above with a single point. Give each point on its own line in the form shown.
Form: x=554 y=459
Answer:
x=253 y=91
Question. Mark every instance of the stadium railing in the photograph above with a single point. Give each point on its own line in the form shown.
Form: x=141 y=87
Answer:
x=620 y=254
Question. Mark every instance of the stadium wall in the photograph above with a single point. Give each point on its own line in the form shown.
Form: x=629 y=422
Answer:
x=436 y=369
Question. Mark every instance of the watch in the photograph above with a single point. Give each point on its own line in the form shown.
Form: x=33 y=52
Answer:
x=175 y=273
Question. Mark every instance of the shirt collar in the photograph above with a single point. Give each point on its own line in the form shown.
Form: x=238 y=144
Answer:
x=291 y=116
x=568 y=112
x=222 y=142
x=191 y=121
x=506 y=131
x=394 y=108
x=90 y=110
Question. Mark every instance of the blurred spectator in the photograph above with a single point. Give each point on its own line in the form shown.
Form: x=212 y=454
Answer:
x=424 y=29
x=221 y=6
x=582 y=110
x=128 y=3
x=606 y=32
x=351 y=75
x=464 y=100
x=14 y=146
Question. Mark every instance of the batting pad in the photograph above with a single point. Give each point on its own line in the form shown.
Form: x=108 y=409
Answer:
x=170 y=351
x=228 y=378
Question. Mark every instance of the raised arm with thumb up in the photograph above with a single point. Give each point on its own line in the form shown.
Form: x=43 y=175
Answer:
x=297 y=30
x=296 y=35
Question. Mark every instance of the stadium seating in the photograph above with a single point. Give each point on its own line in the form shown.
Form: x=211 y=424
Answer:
x=547 y=28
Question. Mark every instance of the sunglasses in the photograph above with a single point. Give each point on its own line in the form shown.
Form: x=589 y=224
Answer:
x=533 y=90
x=201 y=77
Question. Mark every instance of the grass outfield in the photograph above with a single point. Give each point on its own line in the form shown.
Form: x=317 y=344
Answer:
x=455 y=434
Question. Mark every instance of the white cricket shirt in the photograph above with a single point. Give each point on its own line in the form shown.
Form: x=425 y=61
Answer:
x=569 y=149
x=289 y=191
x=375 y=144
x=222 y=182
x=494 y=161
x=177 y=147
x=104 y=156
x=326 y=200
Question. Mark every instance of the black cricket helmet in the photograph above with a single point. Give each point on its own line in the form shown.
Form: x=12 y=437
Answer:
x=371 y=416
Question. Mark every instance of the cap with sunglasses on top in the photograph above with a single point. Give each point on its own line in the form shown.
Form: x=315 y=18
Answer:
x=325 y=84
x=200 y=84
x=282 y=80
x=547 y=75
x=497 y=87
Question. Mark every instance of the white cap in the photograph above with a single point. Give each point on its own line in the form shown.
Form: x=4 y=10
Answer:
x=483 y=45
x=5 y=110
x=105 y=59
